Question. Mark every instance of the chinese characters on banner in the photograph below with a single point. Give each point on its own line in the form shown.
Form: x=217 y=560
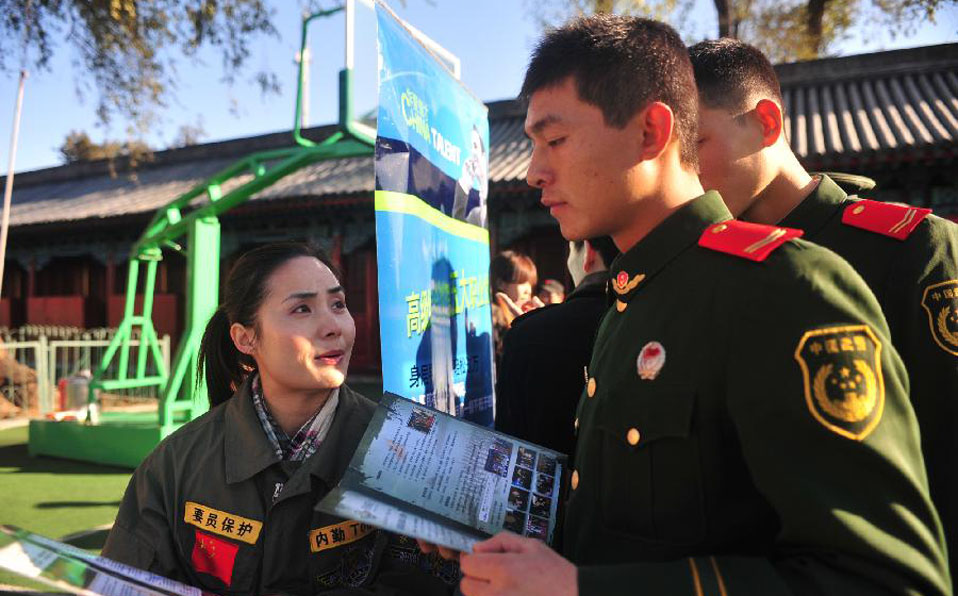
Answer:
x=431 y=232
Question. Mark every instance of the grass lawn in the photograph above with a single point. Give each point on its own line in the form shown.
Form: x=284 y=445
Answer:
x=55 y=497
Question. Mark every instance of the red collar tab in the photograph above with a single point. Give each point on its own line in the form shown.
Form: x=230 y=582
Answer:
x=747 y=240
x=887 y=219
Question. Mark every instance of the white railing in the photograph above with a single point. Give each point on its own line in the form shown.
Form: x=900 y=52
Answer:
x=29 y=377
x=24 y=378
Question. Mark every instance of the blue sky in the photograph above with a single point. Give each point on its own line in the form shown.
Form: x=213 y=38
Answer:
x=492 y=38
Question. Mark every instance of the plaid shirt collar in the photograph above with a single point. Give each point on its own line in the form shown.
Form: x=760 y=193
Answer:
x=309 y=436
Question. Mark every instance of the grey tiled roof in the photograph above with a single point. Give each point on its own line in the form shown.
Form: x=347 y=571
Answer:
x=887 y=106
x=100 y=196
x=103 y=196
x=510 y=148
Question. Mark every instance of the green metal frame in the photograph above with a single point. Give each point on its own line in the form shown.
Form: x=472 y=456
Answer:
x=182 y=390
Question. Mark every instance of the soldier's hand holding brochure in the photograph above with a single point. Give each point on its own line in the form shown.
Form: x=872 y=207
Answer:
x=431 y=476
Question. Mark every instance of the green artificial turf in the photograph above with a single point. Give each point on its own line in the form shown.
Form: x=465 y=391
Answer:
x=55 y=497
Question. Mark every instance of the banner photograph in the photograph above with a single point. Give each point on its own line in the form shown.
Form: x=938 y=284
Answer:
x=432 y=241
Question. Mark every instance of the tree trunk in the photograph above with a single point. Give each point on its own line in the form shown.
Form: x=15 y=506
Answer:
x=724 y=9
x=604 y=5
x=741 y=9
x=816 y=12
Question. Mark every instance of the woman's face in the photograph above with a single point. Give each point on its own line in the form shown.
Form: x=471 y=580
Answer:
x=304 y=334
x=520 y=293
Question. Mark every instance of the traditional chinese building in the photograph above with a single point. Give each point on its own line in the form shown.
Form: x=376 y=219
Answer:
x=891 y=116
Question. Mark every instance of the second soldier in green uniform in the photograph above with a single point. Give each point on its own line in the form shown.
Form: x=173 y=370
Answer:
x=908 y=257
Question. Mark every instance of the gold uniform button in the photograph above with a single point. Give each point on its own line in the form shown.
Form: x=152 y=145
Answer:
x=633 y=436
x=575 y=479
x=719 y=228
x=590 y=388
x=858 y=209
x=621 y=306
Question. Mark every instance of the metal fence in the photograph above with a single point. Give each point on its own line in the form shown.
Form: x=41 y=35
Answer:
x=25 y=382
x=72 y=357
x=35 y=359
x=52 y=332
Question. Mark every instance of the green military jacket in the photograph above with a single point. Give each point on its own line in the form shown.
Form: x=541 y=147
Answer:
x=213 y=506
x=916 y=283
x=746 y=428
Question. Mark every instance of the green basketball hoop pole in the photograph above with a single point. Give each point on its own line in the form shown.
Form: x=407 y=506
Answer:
x=182 y=392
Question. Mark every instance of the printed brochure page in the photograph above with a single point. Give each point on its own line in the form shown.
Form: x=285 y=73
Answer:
x=428 y=475
x=78 y=571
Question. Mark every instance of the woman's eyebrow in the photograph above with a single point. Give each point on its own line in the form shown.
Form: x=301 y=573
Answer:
x=300 y=296
x=308 y=295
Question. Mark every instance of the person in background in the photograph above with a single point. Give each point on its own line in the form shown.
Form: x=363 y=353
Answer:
x=906 y=255
x=551 y=292
x=512 y=276
x=226 y=503
x=547 y=350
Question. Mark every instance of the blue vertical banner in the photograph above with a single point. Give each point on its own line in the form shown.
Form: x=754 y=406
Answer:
x=432 y=164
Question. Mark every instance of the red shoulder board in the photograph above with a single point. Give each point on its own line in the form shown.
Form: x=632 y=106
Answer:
x=887 y=219
x=747 y=240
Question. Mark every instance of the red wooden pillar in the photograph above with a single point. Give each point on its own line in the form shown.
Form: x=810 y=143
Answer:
x=110 y=277
x=32 y=279
x=336 y=253
x=85 y=290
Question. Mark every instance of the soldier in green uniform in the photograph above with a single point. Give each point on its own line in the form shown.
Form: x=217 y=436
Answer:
x=226 y=502
x=908 y=257
x=745 y=428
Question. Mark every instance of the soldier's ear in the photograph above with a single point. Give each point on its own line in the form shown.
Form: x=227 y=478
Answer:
x=769 y=116
x=656 y=122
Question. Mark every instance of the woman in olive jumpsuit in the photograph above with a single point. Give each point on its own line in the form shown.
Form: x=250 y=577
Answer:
x=226 y=503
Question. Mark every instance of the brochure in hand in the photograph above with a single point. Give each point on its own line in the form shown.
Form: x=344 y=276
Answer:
x=428 y=475
x=78 y=571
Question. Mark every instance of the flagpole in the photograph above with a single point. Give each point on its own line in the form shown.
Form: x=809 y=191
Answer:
x=8 y=187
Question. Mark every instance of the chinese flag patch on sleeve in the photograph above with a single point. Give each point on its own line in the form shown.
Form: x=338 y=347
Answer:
x=214 y=556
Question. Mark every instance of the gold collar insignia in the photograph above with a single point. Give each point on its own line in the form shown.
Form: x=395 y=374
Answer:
x=623 y=285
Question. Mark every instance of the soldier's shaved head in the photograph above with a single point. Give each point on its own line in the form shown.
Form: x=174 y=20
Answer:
x=620 y=65
x=733 y=75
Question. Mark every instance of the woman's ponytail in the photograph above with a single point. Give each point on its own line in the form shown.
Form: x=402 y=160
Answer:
x=222 y=364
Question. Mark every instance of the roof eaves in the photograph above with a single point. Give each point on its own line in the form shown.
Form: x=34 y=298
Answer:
x=861 y=66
